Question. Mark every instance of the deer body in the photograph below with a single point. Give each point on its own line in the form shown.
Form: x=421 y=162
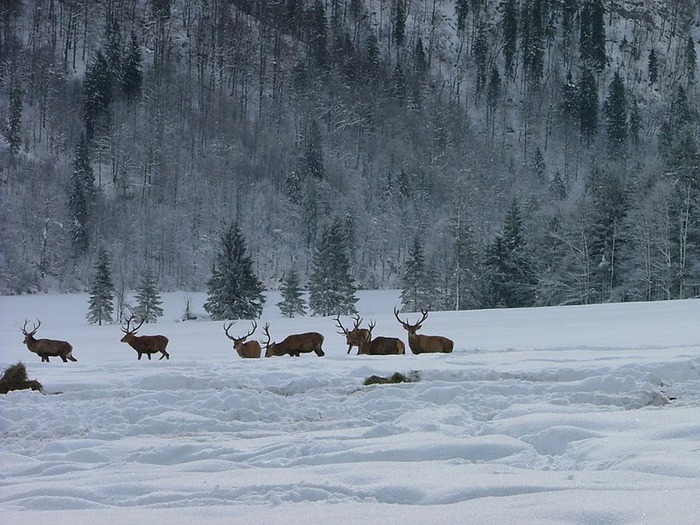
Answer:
x=46 y=348
x=246 y=350
x=382 y=346
x=424 y=344
x=295 y=344
x=145 y=344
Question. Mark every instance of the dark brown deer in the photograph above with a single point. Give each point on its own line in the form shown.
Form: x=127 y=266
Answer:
x=144 y=344
x=294 y=345
x=381 y=345
x=247 y=350
x=355 y=336
x=46 y=348
x=424 y=344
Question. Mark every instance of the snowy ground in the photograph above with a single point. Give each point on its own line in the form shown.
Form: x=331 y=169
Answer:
x=540 y=416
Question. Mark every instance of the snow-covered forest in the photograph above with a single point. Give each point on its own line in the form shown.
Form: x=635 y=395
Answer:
x=524 y=152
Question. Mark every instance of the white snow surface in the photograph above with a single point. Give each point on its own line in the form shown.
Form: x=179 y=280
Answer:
x=582 y=415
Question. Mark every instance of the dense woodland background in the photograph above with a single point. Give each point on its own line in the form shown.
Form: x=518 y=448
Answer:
x=492 y=153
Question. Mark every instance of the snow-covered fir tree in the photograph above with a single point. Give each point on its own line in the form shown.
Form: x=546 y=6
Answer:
x=101 y=306
x=509 y=272
x=331 y=288
x=234 y=291
x=148 y=298
x=293 y=302
x=417 y=282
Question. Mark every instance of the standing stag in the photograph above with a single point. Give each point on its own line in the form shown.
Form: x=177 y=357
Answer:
x=294 y=344
x=381 y=345
x=424 y=344
x=145 y=344
x=357 y=335
x=249 y=350
x=46 y=348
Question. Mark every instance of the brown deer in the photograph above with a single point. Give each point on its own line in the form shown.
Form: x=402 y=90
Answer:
x=145 y=344
x=424 y=344
x=355 y=336
x=294 y=345
x=381 y=345
x=247 y=350
x=46 y=348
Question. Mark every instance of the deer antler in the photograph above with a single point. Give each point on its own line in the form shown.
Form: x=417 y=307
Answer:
x=266 y=330
x=34 y=329
x=371 y=326
x=133 y=330
x=226 y=328
x=358 y=320
x=340 y=325
x=255 y=326
x=408 y=325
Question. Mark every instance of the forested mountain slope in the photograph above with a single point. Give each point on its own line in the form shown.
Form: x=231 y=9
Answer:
x=523 y=152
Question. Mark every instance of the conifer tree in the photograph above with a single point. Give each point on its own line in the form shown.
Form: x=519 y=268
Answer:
x=234 y=291
x=293 y=302
x=82 y=197
x=468 y=271
x=101 y=305
x=318 y=35
x=653 y=67
x=416 y=282
x=592 y=39
x=148 y=298
x=97 y=93
x=532 y=43
x=132 y=74
x=615 y=109
x=400 y=23
x=462 y=8
x=331 y=288
x=588 y=106
x=480 y=55
x=691 y=59
x=13 y=132
x=509 y=272
x=609 y=205
x=635 y=122
x=510 y=33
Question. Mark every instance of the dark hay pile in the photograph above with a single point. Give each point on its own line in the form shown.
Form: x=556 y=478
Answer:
x=396 y=377
x=15 y=378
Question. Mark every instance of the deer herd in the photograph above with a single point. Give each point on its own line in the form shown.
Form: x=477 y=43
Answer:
x=293 y=345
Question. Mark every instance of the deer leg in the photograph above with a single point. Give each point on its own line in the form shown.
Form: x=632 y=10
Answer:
x=139 y=356
x=149 y=356
x=64 y=359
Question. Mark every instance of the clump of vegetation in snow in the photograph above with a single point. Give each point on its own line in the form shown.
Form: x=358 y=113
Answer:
x=15 y=378
x=396 y=377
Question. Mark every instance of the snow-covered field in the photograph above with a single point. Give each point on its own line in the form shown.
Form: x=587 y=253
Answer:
x=584 y=415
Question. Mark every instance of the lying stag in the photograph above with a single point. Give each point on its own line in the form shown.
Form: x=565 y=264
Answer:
x=294 y=345
x=46 y=348
x=424 y=344
x=356 y=336
x=145 y=344
x=249 y=350
x=381 y=345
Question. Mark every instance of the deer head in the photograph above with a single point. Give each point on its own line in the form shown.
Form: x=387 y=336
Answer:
x=129 y=333
x=411 y=328
x=238 y=342
x=357 y=335
x=28 y=336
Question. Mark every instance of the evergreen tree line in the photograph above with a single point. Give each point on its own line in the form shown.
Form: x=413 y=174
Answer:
x=549 y=156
